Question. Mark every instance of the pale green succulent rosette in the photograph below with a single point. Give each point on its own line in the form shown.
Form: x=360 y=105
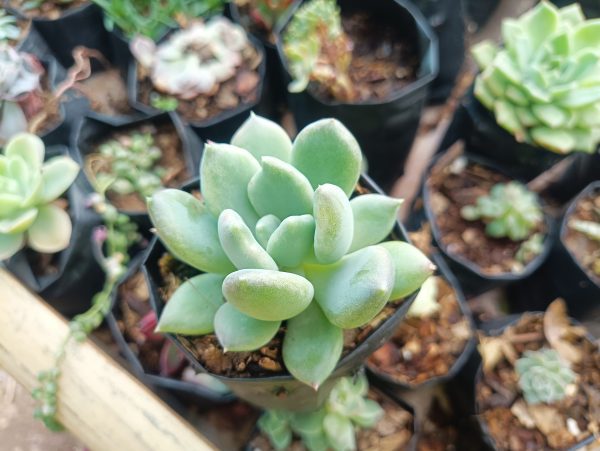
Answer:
x=543 y=84
x=281 y=241
x=28 y=188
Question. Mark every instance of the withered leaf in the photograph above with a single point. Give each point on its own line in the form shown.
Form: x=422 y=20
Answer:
x=557 y=327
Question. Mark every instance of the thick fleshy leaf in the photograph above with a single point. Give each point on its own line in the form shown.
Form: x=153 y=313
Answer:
x=540 y=22
x=326 y=152
x=411 y=268
x=339 y=431
x=506 y=117
x=188 y=230
x=355 y=289
x=29 y=147
x=374 y=218
x=265 y=228
x=58 y=174
x=238 y=332
x=262 y=137
x=240 y=245
x=556 y=140
x=192 y=308
x=280 y=189
x=551 y=115
x=587 y=35
x=224 y=175
x=10 y=244
x=51 y=230
x=292 y=241
x=18 y=222
x=334 y=224
x=268 y=295
x=484 y=53
x=312 y=346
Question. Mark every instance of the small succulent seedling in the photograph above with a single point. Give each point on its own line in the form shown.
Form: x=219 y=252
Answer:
x=509 y=210
x=279 y=241
x=543 y=84
x=28 y=189
x=333 y=426
x=543 y=376
x=9 y=29
x=195 y=60
x=318 y=49
x=426 y=302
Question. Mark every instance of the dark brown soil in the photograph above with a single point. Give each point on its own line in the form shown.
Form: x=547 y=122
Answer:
x=383 y=60
x=451 y=187
x=239 y=90
x=48 y=9
x=498 y=396
x=585 y=250
x=106 y=92
x=393 y=432
x=167 y=139
x=424 y=348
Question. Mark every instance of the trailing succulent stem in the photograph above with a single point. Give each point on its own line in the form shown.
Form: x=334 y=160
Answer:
x=280 y=242
x=543 y=84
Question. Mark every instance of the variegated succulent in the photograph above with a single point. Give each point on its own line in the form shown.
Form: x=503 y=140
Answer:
x=28 y=189
x=543 y=84
x=279 y=240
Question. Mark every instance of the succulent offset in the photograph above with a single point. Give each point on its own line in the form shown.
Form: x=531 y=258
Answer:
x=509 y=210
x=28 y=189
x=333 y=426
x=317 y=49
x=543 y=84
x=278 y=240
x=543 y=376
x=194 y=60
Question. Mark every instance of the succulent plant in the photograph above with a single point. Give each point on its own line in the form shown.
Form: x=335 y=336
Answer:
x=28 y=188
x=20 y=90
x=9 y=29
x=318 y=49
x=279 y=240
x=333 y=426
x=530 y=248
x=543 y=376
x=195 y=60
x=509 y=210
x=543 y=84
x=130 y=165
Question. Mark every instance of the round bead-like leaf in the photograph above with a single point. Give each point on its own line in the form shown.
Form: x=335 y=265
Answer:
x=334 y=224
x=262 y=137
x=268 y=295
x=292 y=241
x=265 y=228
x=374 y=218
x=188 y=230
x=238 y=332
x=192 y=308
x=326 y=152
x=51 y=230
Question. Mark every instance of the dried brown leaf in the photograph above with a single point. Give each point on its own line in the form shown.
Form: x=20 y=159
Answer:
x=494 y=349
x=557 y=328
x=521 y=411
x=552 y=424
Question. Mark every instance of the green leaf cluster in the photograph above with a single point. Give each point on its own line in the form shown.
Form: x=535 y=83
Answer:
x=543 y=85
x=279 y=242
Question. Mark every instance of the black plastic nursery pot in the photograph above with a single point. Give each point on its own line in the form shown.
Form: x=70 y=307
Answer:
x=77 y=277
x=386 y=380
x=282 y=391
x=384 y=130
x=93 y=130
x=221 y=127
x=58 y=133
x=472 y=278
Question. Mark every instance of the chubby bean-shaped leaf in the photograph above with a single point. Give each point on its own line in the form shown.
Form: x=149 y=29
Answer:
x=280 y=189
x=188 y=230
x=265 y=228
x=374 y=218
x=262 y=137
x=224 y=175
x=268 y=295
x=312 y=346
x=19 y=221
x=240 y=245
x=58 y=174
x=339 y=431
x=334 y=224
x=411 y=267
x=238 y=332
x=10 y=244
x=326 y=152
x=51 y=230
x=292 y=241
x=355 y=289
x=27 y=146
x=192 y=308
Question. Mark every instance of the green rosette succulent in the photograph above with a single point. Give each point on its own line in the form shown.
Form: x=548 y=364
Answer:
x=278 y=240
x=509 y=210
x=543 y=376
x=28 y=188
x=543 y=84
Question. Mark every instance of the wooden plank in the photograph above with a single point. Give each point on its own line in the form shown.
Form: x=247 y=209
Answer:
x=99 y=402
